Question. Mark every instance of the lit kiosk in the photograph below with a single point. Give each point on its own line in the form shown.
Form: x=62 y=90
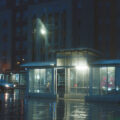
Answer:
x=41 y=79
x=105 y=81
x=73 y=72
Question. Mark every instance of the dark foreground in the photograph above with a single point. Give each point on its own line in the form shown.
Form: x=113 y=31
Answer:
x=14 y=106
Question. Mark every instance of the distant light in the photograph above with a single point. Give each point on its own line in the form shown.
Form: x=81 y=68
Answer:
x=103 y=87
x=117 y=88
x=52 y=64
x=26 y=69
x=23 y=59
x=38 y=76
x=6 y=86
x=109 y=89
x=6 y=96
x=18 y=63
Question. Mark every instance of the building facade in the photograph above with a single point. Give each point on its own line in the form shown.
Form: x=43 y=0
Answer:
x=5 y=40
x=69 y=24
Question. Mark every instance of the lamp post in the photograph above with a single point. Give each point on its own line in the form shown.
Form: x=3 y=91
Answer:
x=42 y=32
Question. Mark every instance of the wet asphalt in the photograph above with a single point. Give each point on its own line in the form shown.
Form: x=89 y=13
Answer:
x=15 y=106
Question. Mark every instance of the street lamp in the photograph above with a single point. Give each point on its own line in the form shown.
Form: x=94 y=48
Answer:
x=42 y=28
x=43 y=31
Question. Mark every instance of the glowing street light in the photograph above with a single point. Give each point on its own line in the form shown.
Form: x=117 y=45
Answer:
x=43 y=31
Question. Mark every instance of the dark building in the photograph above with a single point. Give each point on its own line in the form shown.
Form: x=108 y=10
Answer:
x=69 y=23
x=107 y=24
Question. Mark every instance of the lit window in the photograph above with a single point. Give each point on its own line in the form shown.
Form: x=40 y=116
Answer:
x=18 y=63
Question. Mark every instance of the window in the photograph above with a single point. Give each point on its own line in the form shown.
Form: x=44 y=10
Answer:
x=2 y=2
x=63 y=24
x=17 y=15
x=40 y=81
x=25 y=1
x=5 y=39
x=24 y=30
x=99 y=21
x=79 y=81
x=80 y=4
x=36 y=1
x=107 y=20
x=103 y=80
x=4 y=53
x=17 y=45
x=18 y=31
x=17 y=2
x=5 y=23
x=25 y=15
x=99 y=4
x=107 y=4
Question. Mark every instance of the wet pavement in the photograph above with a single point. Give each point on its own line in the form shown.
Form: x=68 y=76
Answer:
x=14 y=106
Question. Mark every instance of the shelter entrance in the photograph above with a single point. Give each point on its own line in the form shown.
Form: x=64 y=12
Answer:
x=61 y=82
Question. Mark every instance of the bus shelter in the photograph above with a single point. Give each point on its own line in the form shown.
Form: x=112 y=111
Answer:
x=105 y=81
x=41 y=79
x=73 y=72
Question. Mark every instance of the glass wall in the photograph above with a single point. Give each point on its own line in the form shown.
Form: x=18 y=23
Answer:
x=22 y=79
x=79 y=81
x=117 y=78
x=40 y=80
x=96 y=81
x=103 y=81
x=1 y=76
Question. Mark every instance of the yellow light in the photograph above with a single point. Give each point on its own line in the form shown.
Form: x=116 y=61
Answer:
x=7 y=86
x=18 y=63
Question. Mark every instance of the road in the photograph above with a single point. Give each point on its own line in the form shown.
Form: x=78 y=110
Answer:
x=14 y=106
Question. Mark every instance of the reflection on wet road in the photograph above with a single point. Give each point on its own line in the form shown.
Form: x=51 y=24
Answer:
x=13 y=106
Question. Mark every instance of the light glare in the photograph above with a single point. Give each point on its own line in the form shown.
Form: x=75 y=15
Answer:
x=82 y=66
x=7 y=86
x=43 y=31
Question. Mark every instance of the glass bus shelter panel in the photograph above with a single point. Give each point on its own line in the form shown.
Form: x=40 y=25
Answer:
x=79 y=82
x=40 y=81
x=117 y=76
x=1 y=76
x=103 y=80
x=22 y=79
x=96 y=81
